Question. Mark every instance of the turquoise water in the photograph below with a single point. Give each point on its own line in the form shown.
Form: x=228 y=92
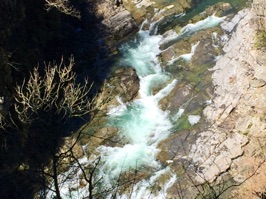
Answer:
x=202 y=6
x=142 y=123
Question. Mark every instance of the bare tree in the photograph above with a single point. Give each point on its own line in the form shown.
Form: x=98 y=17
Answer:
x=63 y=6
x=57 y=93
x=44 y=108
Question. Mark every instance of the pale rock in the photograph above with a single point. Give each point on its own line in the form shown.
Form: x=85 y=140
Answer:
x=257 y=83
x=211 y=169
x=229 y=26
x=169 y=7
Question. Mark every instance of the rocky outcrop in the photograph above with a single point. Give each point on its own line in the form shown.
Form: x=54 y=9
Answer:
x=259 y=7
x=116 y=20
x=236 y=111
x=235 y=116
x=233 y=71
x=124 y=83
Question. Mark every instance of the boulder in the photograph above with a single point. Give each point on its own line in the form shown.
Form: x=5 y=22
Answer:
x=230 y=25
x=70 y=143
x=117 y=21
x=124 y=83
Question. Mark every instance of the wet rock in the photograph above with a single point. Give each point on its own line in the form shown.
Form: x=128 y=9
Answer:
x=220 y=9
x=101 y=135
x=173 y=52
x=205 y=52
x=70 y=144
x=174 y=147
x=178 y=97
x=124 y=83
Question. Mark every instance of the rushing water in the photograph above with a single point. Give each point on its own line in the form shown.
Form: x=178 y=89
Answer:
x=141 y=123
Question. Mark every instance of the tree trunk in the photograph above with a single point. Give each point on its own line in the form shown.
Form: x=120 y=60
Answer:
x=56 y=185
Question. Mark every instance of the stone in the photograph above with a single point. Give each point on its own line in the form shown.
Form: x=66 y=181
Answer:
x=212 y=168
x=78 y=151
x=70 y=143
x=169 y=7
x=229 y=26
x=257 y=83
x=214 y=152
x=117 y=20
x=125 y=83
x=236 y=102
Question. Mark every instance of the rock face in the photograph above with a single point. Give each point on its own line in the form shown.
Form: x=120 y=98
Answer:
x=236 y=114
x=115 y=18
x=259 y=7
x=229 y=26
x=124 y=83
x=238 y=105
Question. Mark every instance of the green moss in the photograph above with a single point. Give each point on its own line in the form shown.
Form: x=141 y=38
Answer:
x=183 y=123
x=260 y=39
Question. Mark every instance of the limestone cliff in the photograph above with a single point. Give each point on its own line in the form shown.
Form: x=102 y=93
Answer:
x=235 y=139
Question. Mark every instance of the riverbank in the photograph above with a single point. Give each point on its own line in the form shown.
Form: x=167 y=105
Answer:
x=235 y=141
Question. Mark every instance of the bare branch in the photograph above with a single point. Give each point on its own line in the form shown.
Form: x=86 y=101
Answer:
x=63 y=6
x=57 y=93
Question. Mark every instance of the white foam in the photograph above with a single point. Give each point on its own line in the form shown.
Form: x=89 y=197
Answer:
x=189 y=29
x=130 y=156
x=208 y=22
x=150 y=81
x=188 y=57
x=144 y=57
x=117 y=110
x=178 y=114
x=193 y=119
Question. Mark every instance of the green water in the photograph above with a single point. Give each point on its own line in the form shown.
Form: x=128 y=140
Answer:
x=201 y=7
x=236 y=4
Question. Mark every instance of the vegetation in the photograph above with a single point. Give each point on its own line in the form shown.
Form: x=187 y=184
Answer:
x=38 y=108
x=260 y=39
x=43 y=112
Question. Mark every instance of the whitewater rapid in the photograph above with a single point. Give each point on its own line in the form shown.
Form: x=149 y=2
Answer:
x=141 y=123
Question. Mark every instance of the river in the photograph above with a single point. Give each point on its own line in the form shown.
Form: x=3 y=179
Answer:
x=142 y=123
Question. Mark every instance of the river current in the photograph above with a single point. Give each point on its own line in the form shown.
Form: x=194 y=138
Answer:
x=142 y=123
